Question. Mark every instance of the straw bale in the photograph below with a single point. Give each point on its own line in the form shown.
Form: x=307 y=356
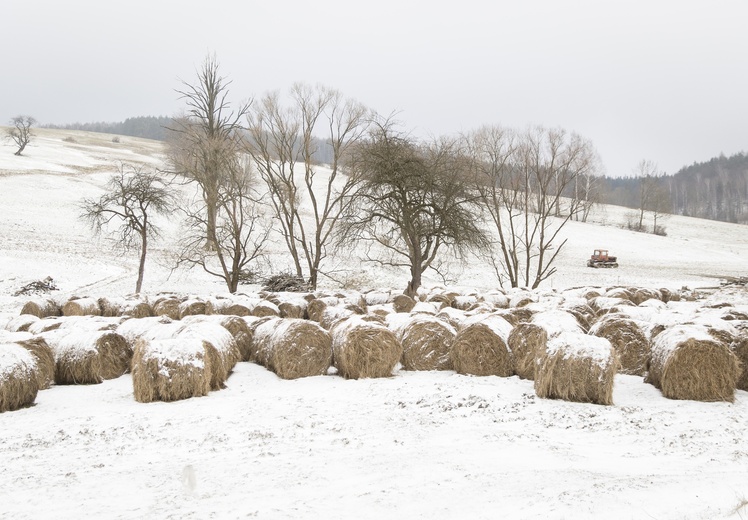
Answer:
x=381 y=310
x=45 y=360
x=262 y=332
x=498 y=299
x=521 y=314
x=42 y=308
x=332 y=315
x=453 y=317
x=220 y=347
x=427 y=342
x=217 y=305
x=604 y=304
x=265 y=308
x=21 y=323
x=81 y=307
x=167 y=306
x=739 y=347
x=591 y=293
x=377 y=297
x=424 y=308
x=442 y=299
x=293 y=308
x=619 y=292
x=170 y=369
x=643 y=294
x=191 y=307
x=629 y=341
x=88 y=357
x=19 y=381
x=364 y=349
x=151 y=328
x=482 y=308
x=464 y=303
x=526 y=341
x=520 y=299
x=577 y=367
x=298 y=348
x=557 y=321
x=480 y=347
x=111 y=307
x=688 y=363
x=316 y=307
x=403 y=303
x=91 y=322
x=238 y=328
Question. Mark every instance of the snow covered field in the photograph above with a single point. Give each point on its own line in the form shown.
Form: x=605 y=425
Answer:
x=417 y=445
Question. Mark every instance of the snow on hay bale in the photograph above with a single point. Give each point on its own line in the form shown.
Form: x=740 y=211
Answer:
x=557 y=321
x=628 y=339
x=167 y=306
x=19 y=381
x=238 y=328
x=265 y=308
x=170 y=369
x=154 y=327
x=191 y=307
x=45 y=360
x=220 y=347
x=363 y=349
x=88 y=357
x=81 y=307
x=480 y=347
x=688 y=363
x=42 y=308
x=21 y=323
x=262 y=329
x=426 y=342
x=526 y=341
x=424 y=308
x=642 y=294
x=293 y=308
x=403 y=303
x=577 y=367
x=453 y=316
x=297 y=348
x=111 y=307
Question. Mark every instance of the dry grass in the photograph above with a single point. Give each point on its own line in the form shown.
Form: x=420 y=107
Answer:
x=687 y=363
x=629 y=341
x=740 y=348
x=364 y=349
x=19 y=382
x=526 y=341
x=81 y=307
x=427 y=342
x=577 y=367
x=170 y=370
x=42 y=308
x=480 y=348
x=220 y=348
x=45 y=360
x=299 y=348
x=77 y=362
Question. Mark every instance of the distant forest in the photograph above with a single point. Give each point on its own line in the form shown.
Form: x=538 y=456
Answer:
x=148 y=127
x=716 y=189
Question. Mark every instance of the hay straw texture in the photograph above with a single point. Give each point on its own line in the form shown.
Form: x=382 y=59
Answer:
x=152 y=328
x=364 y=349
x=498 y=299
x=452 y=316
x=81 y=307
x=220 y=347
x=253 y=323
x=45 y=324
x=640 y=295
x=332 y=315
x=556 y=321
x=628 y=339
x=297 y=348
x=238 y=328
x=170 y=370
x=18 y=377
x=77 y=362
x=465 y=302
x=480 y=347
x=577 y=367
x=45 y=360
x=427 y=342
x=526 y=341
x=167 y=306
x=740 y=348
x=520 y=300
x=403 y=303
x=442 y=299
x=262 y=334
x=604 y=304
x=619 y=292
x=293 y=308
x=191 y=307
x=134 y=308
x=377 y=297
x=21 y=323
x=90 y=322
x=42 y=308
x=687 y=363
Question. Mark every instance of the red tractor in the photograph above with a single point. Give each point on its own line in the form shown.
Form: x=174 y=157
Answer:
x=601 y=258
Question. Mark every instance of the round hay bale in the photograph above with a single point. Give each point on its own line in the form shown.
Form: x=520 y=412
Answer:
x=21 y=323
x=424 y=308
x=191 y=307
x=403 y=303
x=364 y=349
x=46 y=324
x=293 y=308
x=90 y=322
x=170 y=369
x=167 y=306
x=151 y=328
x=739 y=347
x=220 y=347
x=464 y=303
x=620 y=293
x=453 y=317
x=81 y=307
x=298 y=348
x=591 y=293
x=427 y=342
x=77 y=362
x=556 y=321
x=603 y=304
x=332 y=315
x=42 y=308
x=377 y=298
x=688 y=363
x=520 y=314
x=520 y=299
x=526 y=341
x=217 y=305
x=499 y=300
x=642 y=294
x=19 y=381
x=250 y=354
x=238 y=328
x=480 y=347
x=381 y=311
x=45 y=360
x=442 y=299
x=265 y=308
x=134 y=308
x=262 y=332
x=629 y=341
x=577 y=367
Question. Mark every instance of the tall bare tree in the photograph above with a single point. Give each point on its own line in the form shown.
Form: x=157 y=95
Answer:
x=20 y=132
x=414 y=203
x=208 y=138
x=654 y=195
x=521 y=179
x=133 y=196
x=285 y=143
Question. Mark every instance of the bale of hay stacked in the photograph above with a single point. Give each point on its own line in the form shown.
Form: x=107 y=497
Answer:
x=364 y=349
x=452 y=316
x=739 y=347
x=91 y=322
x=604 y=304
x=403 y=303
x=688 y=363
x=628 y=339
x=152 y=328
x=167 y=306
x=81 y=307
x=238 y=328
x=42 y=308
x=642 y=294
x=21 y=323
x=427 y=343
x=577 y=367
x=88 y=357
x=19 y=381
x=557 y=321
x=134 y=308
x=297 y=348
x=293 y=308
x=265 y=308
x=191 y=307
x=527 y=342
x=424 y=308
x=499 y=300
x=220 y=347
x=45 y=361
x=480 y=347
x=170 y=369
x=465 y=302
x=442 y=299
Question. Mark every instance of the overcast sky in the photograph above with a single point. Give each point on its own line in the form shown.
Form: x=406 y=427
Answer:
x=663 y=80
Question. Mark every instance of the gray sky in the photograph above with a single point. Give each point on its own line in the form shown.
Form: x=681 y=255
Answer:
x=663 y=80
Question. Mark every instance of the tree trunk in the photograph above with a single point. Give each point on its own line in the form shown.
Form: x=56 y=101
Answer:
x=415 y=281
x=141 y=267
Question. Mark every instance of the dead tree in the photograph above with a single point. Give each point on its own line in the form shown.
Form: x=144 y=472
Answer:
x=20 y=132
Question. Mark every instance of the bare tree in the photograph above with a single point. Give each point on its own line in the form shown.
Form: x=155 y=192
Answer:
x=654 y=195
x=521 y=179
x=133 y=196
x=285 y=144
x=240 y=231
x=208 y=138
x=20 y=132
x=414 y=203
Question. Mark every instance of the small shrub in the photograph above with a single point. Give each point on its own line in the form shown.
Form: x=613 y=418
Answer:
x=116 y=139
x=69 y=139
x=37 y=287
x=286 y=282
x=660 y=230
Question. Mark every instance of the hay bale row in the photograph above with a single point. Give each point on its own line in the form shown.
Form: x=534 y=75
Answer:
x=42 y=308
x=576 y=367
x=19 y=381
x=688 y=363
x=364 y=349
x=480 y=347
x=81 y=307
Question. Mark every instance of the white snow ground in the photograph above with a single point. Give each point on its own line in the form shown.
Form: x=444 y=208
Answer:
x=417 y=445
